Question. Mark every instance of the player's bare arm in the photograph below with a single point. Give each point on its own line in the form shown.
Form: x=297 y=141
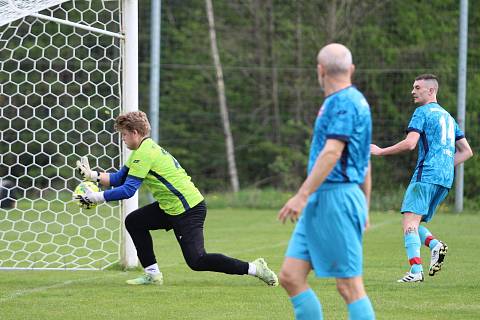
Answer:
x=462 y=151
x=324 y=164
x=408 y=144
x=366 y=187
x=105 y=179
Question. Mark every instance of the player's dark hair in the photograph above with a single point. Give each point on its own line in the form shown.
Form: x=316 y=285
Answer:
x=133 y=121
x=427 y=76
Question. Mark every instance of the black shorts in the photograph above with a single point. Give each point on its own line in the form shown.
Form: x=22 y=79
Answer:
x=188 y=228
x=186 y=225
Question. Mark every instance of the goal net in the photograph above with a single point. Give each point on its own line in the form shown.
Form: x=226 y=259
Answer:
x=60 y=90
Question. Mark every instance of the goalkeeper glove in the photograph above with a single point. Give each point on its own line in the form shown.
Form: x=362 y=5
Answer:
x=84 y=169
x=90 y=197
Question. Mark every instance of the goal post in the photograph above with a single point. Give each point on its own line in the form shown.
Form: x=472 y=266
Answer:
x=63 y=67
x=130 y=103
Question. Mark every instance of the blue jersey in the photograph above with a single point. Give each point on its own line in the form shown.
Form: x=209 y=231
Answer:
x=344 y=115
x=436 y=148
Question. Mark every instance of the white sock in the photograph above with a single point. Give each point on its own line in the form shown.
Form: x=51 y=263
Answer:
x=252 y=269
x=153 y=269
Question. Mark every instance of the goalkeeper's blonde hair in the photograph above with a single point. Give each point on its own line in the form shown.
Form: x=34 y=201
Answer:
x=133 y=121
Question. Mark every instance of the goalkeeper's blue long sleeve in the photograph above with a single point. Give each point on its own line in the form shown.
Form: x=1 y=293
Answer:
x=125 y=191
x=119 y=177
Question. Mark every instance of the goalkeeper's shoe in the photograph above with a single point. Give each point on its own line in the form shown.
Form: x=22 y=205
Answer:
x=412 y=277
x=437 y=257
x=147 y=278
x=264 y=273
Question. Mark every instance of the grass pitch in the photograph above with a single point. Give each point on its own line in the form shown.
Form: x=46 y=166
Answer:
x=247 y=234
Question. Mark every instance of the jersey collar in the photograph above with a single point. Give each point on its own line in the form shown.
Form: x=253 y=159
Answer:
x=147 y=137
x=334 y=93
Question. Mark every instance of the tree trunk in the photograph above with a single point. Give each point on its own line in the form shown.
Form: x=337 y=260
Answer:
x=259 y=35
x=232 y=167
x=274 y=75
x=299 y=61
x=331 y=25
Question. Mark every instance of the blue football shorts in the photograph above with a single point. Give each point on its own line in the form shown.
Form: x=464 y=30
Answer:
x=329 y=232
x=423 y=198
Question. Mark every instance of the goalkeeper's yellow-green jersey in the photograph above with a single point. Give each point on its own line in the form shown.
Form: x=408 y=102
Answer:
x=161 y=173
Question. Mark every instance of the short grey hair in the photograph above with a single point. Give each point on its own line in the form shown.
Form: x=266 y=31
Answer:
x=335 y=58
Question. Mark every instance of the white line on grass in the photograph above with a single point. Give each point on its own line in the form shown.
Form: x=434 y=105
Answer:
x=381 y=224
x=24 y=292
x=20 y=293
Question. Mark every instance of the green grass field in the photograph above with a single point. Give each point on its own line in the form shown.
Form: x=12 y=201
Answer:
x=246 y=234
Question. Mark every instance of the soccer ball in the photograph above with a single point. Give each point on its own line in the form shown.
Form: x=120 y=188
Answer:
x=81 y=189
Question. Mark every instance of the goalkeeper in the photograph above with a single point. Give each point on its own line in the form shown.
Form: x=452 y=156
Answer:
x=178 y=206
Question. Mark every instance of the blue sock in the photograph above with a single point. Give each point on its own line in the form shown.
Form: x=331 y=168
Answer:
x=307 y=306
x=427 y=238
x=412 y=244
x=361 y=310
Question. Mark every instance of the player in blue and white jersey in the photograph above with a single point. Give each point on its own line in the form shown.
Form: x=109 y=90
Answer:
x=442 y=147
x=334 y=197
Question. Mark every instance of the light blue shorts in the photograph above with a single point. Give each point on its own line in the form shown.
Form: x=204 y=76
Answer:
x=330 y=230
x=423 y=198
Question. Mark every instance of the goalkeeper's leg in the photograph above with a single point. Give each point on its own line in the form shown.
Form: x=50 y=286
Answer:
x=189 y=232
x=138 y=223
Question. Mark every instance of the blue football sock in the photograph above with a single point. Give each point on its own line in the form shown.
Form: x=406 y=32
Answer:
x=427 y=238
x=307 y=306
x=412 y=244
x=361 y=310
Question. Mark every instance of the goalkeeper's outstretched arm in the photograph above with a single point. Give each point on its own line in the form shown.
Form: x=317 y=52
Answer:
x=125 y=191
x=106 y=179
x=126 y=186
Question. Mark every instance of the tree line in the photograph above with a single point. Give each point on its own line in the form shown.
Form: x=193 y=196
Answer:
x=268 y=50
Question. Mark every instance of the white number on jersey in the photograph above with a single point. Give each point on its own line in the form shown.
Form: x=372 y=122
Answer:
x=448 y=132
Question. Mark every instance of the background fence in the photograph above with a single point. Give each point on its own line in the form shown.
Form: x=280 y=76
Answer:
x=268 y=50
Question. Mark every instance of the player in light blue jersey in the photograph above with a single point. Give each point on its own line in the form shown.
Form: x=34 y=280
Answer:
x=442 y=147
x=334 y=197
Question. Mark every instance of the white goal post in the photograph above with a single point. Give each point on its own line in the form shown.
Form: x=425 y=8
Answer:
x=67 y=69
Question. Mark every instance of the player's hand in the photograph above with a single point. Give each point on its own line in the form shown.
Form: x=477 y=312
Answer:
x=367 y=224
x=84 y=200
x=293 y=208
x=375 y=150
x=90 y=197
x=83 y=167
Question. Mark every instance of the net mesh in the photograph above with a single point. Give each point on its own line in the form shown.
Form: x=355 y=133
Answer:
x=59 y=95
x=11 y=10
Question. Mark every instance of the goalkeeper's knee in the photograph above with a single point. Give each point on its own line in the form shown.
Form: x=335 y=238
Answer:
x=197 y=263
